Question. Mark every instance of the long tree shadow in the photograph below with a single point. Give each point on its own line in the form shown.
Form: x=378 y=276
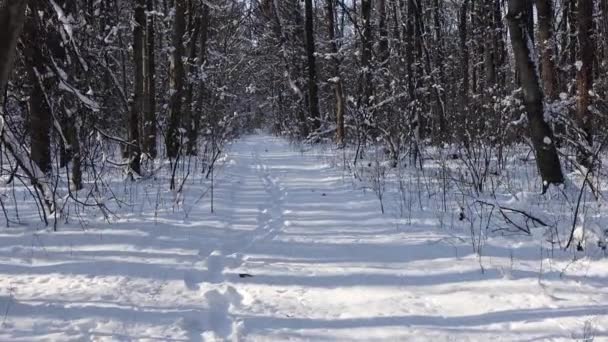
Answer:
x=408 y=280
x=426 y=321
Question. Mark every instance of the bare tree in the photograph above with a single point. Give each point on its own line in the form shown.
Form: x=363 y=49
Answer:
x=176 y=80
x=12 y=18
x=547 y=159
x=366 y=52
x=200 y=63
x=584 y=75
x=336 y=77
x=40 y=120
x=546 y=43
x=313 y=97
x=139 y=91
x=149 y=106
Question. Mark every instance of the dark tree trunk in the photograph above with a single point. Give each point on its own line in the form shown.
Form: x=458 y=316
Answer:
x=489 y=50
x=189 y=108
x=383 y=52
x=584 y=75
x=546 y=43
x=176 y=80
x=464 y=52
x=313 y=96
x=366 y=52
x=604 y=28
x=499 y=43
x=138 y=100
x=547 y=159
x=12 y=17
x=337 y=84
x=40 y=120
x=198 y=108
x=149 y=120
x=440 y=94
x=571 y=41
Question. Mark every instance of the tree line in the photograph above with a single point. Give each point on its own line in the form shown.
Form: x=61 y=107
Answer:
x=163 y=78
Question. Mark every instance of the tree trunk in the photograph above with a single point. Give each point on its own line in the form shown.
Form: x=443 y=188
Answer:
x=189 y=108
x=584 y=75
x=149 y=120
x=366 y=52
x=547 y=159
x=489 y=49
x=198 y=108
x=604 y=28
x=545 y=33
x=338 y=89
x=12 y=17
x=571 y=41
x=464 y=53
x=176 y=80
x=313 y=96
x=439 y=94
x=40 y=121
x=383 y=52
x=499 y=44
x=139 y=92
x=72 y=132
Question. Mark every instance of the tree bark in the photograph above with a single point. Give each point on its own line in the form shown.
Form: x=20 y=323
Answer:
x=313 y=96
x=337 y=84
x=464 y=53
x=139 y=91
x=12 y=18
x=149 y=120
x=189 y=108
x=176 y=80
x=547 y=159
x=198 y=108
x=584 y=75
x=383 y=52
x=40 y=121
x=366 y=51
x=604 y=27
x=546 y=43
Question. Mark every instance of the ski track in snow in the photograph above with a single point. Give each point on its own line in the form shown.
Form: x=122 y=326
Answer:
x=292 y=252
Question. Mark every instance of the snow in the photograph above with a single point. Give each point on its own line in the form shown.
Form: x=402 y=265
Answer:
x=292 y=252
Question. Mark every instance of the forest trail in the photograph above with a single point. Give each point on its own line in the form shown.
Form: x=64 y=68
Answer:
x=293 y=252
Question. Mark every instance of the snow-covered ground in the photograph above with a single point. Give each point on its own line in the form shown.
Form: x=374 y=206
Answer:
x=293 y=251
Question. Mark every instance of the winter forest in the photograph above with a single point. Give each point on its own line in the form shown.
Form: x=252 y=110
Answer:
x=303 y=170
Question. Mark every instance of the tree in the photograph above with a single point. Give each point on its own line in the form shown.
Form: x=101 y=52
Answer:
x=149 y=106
x=313 y=97
x=139 y=91
x=12 y=18
x=336 y=76
x=545 y=33
x=200 y=63
x=40 y=120
x=195 y=24
x=584 y=76
x=547 y=159
x=176 y=81
x=464 y=51
x=366 y=53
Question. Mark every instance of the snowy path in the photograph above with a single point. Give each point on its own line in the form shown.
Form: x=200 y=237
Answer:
x=293 y=252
